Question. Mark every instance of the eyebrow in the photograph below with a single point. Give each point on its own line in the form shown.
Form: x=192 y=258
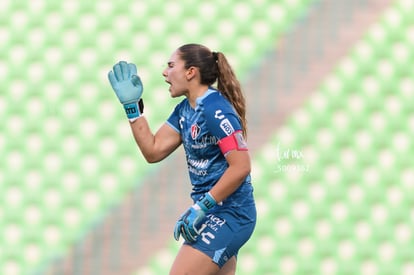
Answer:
x=170 y=63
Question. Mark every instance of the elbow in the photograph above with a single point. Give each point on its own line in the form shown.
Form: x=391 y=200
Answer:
x=151 y=158
x=246 y=167
x=150 y=161
x=239 y=162
x=245 y=171
x=154 y=158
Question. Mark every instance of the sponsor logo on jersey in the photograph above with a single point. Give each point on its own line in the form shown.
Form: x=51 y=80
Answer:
x=195 y=131
x=205 y=141
x=226 y=126
x=182 y=119
x=198 y=163
x=218 y=114
x=198 y=167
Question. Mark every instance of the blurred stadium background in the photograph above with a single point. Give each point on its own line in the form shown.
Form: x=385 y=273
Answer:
x=330 y=88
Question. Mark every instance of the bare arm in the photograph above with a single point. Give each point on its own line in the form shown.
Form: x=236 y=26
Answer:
x=239 y=168
x=154 y=147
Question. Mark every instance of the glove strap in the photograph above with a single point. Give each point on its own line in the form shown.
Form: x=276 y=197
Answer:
x=206 y=202
x=134 y=110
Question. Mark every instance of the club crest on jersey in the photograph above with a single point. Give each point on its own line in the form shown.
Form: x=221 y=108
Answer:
x=195 y=131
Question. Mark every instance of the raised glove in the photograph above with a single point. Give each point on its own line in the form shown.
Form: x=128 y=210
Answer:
x=128 y=88
x=189 y=225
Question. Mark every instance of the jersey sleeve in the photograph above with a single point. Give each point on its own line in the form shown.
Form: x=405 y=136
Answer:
x=224 y=124
x=174 y=119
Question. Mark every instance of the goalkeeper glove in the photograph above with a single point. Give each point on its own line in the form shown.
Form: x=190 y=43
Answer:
x=128 y=88
x=189 y=225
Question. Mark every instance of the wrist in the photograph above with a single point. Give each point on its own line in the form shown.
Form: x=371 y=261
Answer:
x=134 y=110
x=206 y=202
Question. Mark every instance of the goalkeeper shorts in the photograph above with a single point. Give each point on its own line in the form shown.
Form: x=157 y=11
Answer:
x=226 y=231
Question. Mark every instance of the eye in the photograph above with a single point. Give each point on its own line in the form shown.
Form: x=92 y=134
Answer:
x=170 y=64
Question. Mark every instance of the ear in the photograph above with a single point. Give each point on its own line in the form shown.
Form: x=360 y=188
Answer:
x=191 y=73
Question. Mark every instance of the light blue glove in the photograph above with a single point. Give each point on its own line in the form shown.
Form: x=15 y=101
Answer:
x=189 y=225
x=128 y=88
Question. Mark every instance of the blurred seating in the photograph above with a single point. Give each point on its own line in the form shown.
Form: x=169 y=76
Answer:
x=67 y=151
x=345 y=205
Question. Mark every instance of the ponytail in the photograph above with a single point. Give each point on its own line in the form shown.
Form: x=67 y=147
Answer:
x=229 y=86
x=214 y=67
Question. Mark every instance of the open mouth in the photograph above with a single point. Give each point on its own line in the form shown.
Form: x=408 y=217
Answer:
x=169 y=83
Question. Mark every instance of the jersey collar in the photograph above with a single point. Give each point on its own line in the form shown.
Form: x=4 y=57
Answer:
x=199 y=100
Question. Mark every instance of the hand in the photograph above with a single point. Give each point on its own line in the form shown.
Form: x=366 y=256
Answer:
x=189 y=225
x=128 y=87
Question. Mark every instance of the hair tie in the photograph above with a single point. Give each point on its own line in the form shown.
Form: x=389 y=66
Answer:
x=215 y=56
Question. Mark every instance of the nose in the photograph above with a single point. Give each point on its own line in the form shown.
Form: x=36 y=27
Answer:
x=164 y=73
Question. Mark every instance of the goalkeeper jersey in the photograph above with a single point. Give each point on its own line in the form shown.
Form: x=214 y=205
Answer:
x=201 y=129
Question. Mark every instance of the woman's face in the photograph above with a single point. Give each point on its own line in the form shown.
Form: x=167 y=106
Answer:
x=175 y=74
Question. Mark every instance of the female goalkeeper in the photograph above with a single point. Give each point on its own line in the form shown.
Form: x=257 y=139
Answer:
x=211 y=125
